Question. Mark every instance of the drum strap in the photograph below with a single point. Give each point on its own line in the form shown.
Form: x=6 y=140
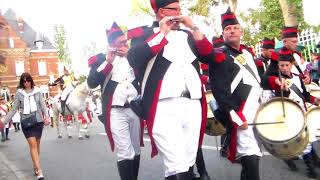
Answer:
x=296 y=90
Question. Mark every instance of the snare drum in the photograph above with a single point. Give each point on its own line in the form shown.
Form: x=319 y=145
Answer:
x=213 y=126
x=312 y=116
x=283 y=140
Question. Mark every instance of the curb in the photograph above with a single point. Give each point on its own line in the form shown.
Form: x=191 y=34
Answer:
x=11 y=170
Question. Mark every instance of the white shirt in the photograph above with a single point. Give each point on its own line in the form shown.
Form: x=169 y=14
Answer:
x=123 y=73
x=181 y=74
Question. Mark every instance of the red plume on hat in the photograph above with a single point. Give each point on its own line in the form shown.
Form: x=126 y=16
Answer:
x=288 y=32
x=228 y=18
x=286 y=55
x=268 y=43
x=157 y=4
x=114 y=32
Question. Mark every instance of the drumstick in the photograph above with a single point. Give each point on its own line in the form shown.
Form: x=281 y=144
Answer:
x=282 y=100
x=265 y=123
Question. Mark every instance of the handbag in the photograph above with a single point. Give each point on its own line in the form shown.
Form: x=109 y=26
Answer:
x=29 y=122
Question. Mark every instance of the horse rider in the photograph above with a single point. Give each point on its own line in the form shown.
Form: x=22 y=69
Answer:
x=119 y=88
x=67 y=84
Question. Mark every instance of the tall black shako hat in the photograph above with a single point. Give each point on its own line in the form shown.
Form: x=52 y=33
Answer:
x=114 y=32
x=288 y=32
x=286 y=55
x=157 y=4
x=268 y=43
x=228 y=18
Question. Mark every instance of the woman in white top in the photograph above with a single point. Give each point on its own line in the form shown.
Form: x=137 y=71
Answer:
x=29 y=99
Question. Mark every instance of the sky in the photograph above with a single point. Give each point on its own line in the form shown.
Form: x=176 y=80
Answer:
x=86 y=20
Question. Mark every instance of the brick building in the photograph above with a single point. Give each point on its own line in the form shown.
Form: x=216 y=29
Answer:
x=25 y=50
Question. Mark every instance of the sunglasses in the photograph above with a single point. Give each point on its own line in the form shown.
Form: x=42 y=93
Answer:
x=27 y=80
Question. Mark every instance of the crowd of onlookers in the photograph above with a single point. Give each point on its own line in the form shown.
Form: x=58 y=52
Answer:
x=315 y=67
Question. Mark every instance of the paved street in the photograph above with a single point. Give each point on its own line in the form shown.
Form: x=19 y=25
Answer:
x=65 y=159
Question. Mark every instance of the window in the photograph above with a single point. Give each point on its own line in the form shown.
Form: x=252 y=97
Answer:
x=19 y=68
x=11 y=43
x=42 y=66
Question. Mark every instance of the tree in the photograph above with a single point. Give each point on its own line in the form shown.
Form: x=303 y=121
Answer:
x=61 y=44
x=268 y=20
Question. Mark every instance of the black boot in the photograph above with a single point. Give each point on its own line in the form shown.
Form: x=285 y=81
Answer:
x=136 y=164
x=180 y=176
x=3 y=136
x=292 y=166
x=201 y=166
x=7 y=134
x=315 y=158
x=310 y=166
x=63 y=107
x=125 y=168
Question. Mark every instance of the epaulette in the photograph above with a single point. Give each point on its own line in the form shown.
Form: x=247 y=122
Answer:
x=274 y=56
x=96 y=58
x=219 y=54
x=259 y=62
x=136 y=32
x=249 y=49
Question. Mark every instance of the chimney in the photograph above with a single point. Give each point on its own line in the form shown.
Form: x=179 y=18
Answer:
x=39 y=40
x=20 y=25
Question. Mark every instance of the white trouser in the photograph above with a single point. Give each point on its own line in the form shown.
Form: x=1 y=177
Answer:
x=65 y=92
x=125 y=129
x=176 y=133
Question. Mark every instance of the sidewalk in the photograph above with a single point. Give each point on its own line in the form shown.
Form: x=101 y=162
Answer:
x=6 y=173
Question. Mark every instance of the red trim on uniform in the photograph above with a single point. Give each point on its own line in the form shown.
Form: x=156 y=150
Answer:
x=228 y=16
x=157 y=48
x=259 y=63
x=134 y=33
x=203 y=46
x=251 y=51
x=233 y=141
x=239 y=112
x=203 y=117
x=1 y=125
x=272 y=83
x=107 y=69
x=151 y=116
x=92 y=60
x=286 y=52
x=232 y=151
x=108 y=127
x=204 y=79
x=204 y=66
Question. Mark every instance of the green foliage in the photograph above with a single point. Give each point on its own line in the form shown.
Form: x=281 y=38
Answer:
x=82 y=78
x=61 y=44
x=269 y=20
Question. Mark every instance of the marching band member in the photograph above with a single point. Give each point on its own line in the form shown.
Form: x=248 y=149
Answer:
x=264 y=60
x=290 y=41
x=235 y=82
x=294 y=88
x=119 y=87
x=173 y=100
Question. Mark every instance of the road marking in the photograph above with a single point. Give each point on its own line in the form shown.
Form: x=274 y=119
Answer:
x=214 y=148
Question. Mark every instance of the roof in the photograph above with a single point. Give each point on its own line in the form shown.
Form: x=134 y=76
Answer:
x=29 y=35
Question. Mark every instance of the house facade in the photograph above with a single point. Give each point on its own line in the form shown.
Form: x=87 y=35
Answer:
x=25 y=50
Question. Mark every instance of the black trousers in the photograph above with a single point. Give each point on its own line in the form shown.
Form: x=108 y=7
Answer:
x=250 y=167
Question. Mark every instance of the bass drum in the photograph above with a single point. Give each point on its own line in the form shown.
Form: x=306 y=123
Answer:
x=312 y=117
x=283 y=140
x=213 y=126
x=313 y=89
